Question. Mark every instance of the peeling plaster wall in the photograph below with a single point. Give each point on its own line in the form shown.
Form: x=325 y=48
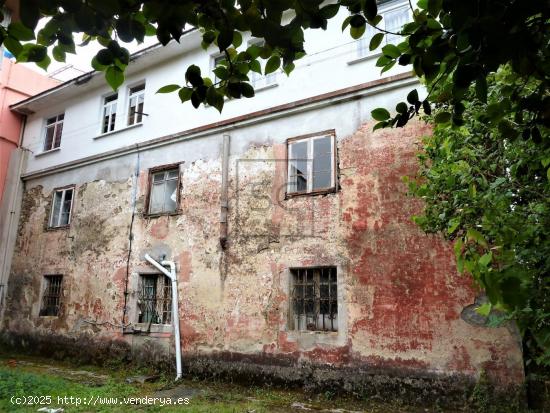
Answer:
x=399 y=294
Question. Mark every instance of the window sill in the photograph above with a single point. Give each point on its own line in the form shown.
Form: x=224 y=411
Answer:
x=135 y=125
x=154 y=328
x=58 y=228
x=312 y=193
x=364 y=58
x=47 y=152
x=163 y=214
x=266 y=87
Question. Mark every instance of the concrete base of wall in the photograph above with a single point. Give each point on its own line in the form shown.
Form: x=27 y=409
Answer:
x=361 y=380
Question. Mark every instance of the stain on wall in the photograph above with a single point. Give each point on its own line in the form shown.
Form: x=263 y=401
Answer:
x=399 y=294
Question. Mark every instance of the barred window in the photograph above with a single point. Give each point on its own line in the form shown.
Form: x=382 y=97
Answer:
x=155 y=299
x=51 y=296
x=314 y=299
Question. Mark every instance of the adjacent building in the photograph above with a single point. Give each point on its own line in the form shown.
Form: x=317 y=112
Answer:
x=286 y=216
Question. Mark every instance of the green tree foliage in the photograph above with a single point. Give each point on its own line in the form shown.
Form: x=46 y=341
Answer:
x=486 y=186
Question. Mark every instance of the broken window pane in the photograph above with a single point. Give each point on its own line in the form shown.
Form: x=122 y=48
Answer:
x=61 y=207
x=164 y=195
x=311 y=164
x=298 y=173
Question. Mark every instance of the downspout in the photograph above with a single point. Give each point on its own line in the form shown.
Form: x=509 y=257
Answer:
x=175 y=307
x=224 y=203
x=5 y=270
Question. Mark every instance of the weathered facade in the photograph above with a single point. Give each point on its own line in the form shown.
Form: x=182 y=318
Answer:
x=392 y=296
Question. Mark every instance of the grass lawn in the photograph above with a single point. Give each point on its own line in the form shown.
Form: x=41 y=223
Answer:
x=25 y=377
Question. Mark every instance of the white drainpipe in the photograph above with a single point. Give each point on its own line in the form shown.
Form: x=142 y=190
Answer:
x=175 y=313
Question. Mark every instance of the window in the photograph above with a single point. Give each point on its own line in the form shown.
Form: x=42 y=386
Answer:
x=257 y=80
x=51 y=296
x=54 y=129
x=314 y=302
x=155 y=299
x=109 y=113
x=61 y=207
x=136 y=100
x=311 y=164
x=163 y=196
x=394 y=16
x=216 y=60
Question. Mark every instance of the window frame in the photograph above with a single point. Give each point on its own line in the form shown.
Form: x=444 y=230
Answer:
x=310 y=137
x=166 y=298
x=255 y=78
x=153 y=171
x=45 y=286
x=362 y=45
x=103 y=107
x=56 y=123
x=63 y=189
x=213 y=59
x=137 y=95
x=334 y=303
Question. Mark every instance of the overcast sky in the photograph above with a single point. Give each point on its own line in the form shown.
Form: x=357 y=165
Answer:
x=81 y=61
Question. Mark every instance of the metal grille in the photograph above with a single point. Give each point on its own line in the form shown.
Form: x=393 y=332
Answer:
x=51 y=298
x=155 y=299
x=314 y=299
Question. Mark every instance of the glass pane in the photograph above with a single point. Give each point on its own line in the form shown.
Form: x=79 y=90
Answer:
x=56 y=208
x=394 y=21
x=322 y=162
x=137 y=89
x=140 y=111
x=158 y=177
x=173 y=174
x=297 y=173
x=49 y=138
x=157 y=195
x=170 y=195
x=58 y=132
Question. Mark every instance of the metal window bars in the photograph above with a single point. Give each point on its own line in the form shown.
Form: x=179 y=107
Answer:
x=51 y=298
x=314 y=296
x=155 y=299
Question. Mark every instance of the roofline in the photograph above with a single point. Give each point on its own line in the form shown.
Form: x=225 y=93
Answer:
x=275 y=112
x=19 y=106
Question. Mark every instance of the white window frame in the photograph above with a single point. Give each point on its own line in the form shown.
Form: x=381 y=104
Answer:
x=58 y=219
x=55 y=125
x=362 y=44
x=309 y=160
x=213 y=59
x=110 y=106
x=139 y=94
x=260 y=81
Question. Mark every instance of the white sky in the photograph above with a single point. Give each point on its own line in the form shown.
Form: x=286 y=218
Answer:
x=83 y=57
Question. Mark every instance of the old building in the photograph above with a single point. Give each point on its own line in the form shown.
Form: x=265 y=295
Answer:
x=317 y=264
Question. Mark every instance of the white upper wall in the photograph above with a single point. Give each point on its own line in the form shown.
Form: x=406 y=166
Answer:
x=332 y=63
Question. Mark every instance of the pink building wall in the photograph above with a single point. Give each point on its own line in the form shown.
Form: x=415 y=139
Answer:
x=16 y=83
